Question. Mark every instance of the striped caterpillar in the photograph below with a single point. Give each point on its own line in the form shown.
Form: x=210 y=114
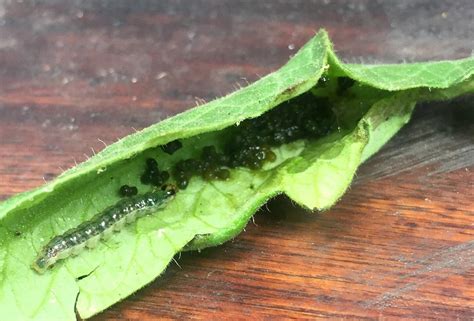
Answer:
x=102 y=225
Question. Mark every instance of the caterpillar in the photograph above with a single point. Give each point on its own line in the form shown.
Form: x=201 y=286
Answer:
x=102 y=225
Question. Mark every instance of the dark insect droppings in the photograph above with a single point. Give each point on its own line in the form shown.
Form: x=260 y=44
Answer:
x=209 y=153
x=152 y=174
x=183 y=183
x=164 y=176
x=270 y=156
x=151 y=163
x=250 y=143
x=323 y=81
x=343 y=84
x=171 y=147
x=127 y=191
x=223 y=174
x=145 y=178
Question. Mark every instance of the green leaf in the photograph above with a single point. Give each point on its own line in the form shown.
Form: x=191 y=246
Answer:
x=315 y=174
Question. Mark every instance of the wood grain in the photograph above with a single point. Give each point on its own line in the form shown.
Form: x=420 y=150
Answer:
x=400 y=244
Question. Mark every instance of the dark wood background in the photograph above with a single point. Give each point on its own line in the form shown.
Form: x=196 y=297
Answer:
x=400 y=244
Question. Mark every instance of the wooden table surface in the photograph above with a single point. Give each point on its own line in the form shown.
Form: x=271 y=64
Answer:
x=400 y=243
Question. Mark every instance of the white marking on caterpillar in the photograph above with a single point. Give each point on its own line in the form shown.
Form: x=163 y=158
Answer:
x=101 y=226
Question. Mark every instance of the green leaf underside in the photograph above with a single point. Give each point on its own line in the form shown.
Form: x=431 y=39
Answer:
x=315 y=174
